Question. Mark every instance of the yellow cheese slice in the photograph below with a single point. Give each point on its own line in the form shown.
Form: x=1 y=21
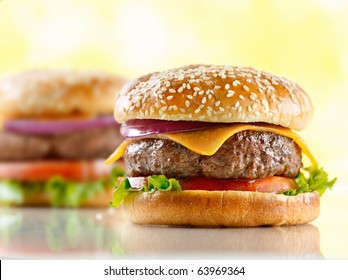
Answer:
x=118 y=153
x=208 y=141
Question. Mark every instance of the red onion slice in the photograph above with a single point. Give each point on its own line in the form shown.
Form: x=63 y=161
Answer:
x=142 y=128
x=57 y=127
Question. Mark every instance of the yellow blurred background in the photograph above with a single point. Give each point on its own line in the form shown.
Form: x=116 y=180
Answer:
x=305 y=41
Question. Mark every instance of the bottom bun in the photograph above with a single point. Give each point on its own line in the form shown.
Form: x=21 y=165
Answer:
x=221 y=208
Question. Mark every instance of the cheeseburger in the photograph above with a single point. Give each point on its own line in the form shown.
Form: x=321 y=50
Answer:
x=55 y=129
x=209 y=145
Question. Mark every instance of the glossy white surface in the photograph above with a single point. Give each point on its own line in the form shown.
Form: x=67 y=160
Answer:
x=41 y=233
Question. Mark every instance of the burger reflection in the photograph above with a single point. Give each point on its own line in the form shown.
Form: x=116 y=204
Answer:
x=56 y=233
x=31 y=233
x=292 y=242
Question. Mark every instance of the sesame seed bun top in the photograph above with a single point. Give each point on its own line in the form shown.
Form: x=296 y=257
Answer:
x=58 y=94
x=212 y=93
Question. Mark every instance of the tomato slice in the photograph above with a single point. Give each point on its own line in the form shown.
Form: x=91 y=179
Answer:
x=273 y=184
x=44 y=170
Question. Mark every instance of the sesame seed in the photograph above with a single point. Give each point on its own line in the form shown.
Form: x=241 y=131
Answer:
x=264 y=102
x=230 y=93
x=171 y=90
x=241 y=97
x=240 y=109
x=188 y=86
x=182 y=110
x=196 y=89
x=245 y=88
x=175 y=108
x=217 y=87
x=210 y=96
x=237 y=104
x=254 y=106
x=248 y=80
x=180 y=89
x=266 y=82
x=204 y=100
x=170 y=97
x=189 y=96
x=187 y=103
x=235 y=83
x=201 y=92
x=217 y=103
x=197 y=110
x=221 y=109
x=227 y=86
x=249 y=108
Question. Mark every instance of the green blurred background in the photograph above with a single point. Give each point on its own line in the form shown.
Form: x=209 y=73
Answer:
x=305 y=41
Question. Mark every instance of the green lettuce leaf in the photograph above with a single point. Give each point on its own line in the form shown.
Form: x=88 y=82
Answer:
x=312 y=179
x=61 y=192
x=10 y=192
x=156 y=182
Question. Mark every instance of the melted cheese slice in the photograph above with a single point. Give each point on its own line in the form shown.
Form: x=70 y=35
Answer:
x=208 y=141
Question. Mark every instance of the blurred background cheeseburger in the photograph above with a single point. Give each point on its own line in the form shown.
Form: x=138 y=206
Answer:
x=214 y=146
x=55 y=127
